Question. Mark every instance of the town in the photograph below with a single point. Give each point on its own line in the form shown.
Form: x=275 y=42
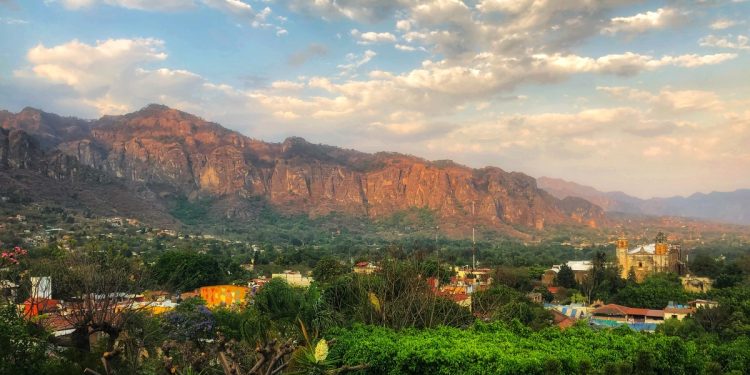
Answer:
x=643 y=286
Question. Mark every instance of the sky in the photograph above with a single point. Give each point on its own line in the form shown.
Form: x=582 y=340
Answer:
x=647 y=97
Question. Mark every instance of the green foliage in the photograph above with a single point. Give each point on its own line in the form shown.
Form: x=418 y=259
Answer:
x=20 y=351
x=655 y=292
x=279 y=308
x=497 y=349
x=190 y=321
x=186 y=270
x=566 y=278
x=328 y=269
x=506 y=304
x=191 y=212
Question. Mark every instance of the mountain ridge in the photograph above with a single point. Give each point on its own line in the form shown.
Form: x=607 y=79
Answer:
x=173 y=153
x=729 y=207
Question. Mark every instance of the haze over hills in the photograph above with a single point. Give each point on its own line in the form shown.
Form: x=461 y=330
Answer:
x=140 y=163
x=729 y=207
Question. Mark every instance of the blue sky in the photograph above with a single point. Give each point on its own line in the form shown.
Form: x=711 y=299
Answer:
x=646 y=97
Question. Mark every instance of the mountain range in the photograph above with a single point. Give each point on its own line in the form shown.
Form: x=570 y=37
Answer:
x=728 y=207
x=139 y=164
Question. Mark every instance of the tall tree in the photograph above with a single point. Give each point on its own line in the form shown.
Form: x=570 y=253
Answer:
x=100 y=286
x=566 y=277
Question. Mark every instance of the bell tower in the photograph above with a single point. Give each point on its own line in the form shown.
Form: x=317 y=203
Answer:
x=661 y=247
x=622 y=256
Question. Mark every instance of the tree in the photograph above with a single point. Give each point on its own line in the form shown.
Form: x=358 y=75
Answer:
x=632 y=278
x=20 y=351
x=704 y=265
x=328 y=269
x=186 y=270
x=655 y=292
x=566 y=278
x=99 y=286
x=515 y=278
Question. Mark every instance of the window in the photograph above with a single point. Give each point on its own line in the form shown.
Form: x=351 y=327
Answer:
x=640 y=264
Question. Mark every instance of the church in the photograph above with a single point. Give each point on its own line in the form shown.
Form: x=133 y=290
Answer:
x=644 y=260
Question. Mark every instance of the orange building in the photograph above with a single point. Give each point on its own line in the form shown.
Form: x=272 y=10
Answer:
x=223 y=295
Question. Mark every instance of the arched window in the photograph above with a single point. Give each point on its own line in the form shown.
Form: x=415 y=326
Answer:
x=640 y=264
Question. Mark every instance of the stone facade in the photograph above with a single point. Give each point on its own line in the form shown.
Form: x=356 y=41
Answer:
x=644 y=260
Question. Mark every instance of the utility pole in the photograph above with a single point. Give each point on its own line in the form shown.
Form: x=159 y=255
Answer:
x=437 y=254
x=437 y=250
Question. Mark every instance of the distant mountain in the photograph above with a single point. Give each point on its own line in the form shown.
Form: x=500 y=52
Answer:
x=158 y=155
x=729 y=207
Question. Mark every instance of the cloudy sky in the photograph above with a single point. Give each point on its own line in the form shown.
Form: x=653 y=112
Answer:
x=651 y=98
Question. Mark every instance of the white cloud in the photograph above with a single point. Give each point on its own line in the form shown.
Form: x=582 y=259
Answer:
x=356 y=61
x=668 y=99
x=241 y=11
x=237 y=9
x=287 y=85
x=722 y=23
x=369 y=11
x=739 y=42
x=641 y=22
x=161 y=5
x=111 y=77
x=13 y=21
x=404 y=47
x=371 y=37
x=628 y=63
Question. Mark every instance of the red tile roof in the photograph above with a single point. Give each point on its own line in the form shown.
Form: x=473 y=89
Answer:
x=613 y=309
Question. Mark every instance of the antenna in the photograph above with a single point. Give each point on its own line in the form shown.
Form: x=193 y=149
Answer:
x=473 y=240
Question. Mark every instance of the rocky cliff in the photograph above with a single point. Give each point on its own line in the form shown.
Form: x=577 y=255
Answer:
x=172 y=152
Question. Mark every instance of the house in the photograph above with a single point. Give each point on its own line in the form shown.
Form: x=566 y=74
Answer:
x=156 y=295
x=8 y=290
x=293 y=278
x=223 y=295
x=624 y=314
x=573 y=311
x=38 y=306
x=365 y=268
x=474 y=276
x=703 y=304
x=561 y=320
x=58 y=325
x=677 y=311
x=696 y=284
x=535 y=297
x=580 y=269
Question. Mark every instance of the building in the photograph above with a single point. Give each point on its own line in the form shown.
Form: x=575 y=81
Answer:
x=223 y=295
x=648 y=259
x=365 y=268
x=677 y=311
x=696 y=284
x=615 y=315
x=535 y=297
x=8 y=290
x=580 y=268
x=293 y=278
x=703 y=304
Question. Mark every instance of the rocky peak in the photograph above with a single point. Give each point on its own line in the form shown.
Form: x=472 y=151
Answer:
x=166 y=148
x=49 y=128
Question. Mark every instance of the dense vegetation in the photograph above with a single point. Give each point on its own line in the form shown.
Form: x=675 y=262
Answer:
x=387 y=322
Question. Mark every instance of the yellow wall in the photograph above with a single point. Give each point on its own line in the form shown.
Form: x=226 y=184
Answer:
x=223 y=295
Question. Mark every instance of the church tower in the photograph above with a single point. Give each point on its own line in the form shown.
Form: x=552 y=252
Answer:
x=661 y=246
x=622 y=256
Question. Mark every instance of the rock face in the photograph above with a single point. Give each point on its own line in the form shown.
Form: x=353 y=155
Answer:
x=170 y=150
